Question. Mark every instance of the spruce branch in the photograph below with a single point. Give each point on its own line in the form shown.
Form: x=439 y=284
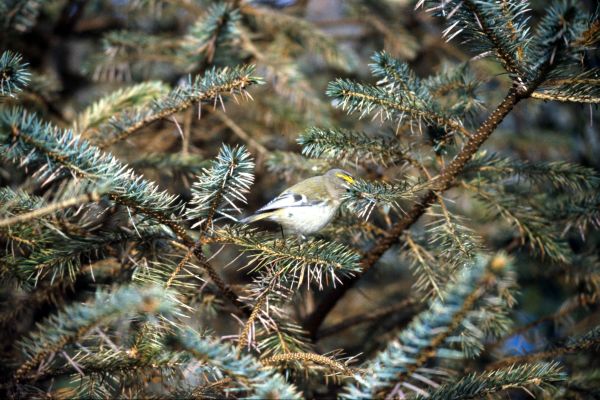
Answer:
x=397 y=77
x=207 y=391
x=90 y=197
x=214 y=276
x=74 y=322
x=51 y=293
x=363 y=196
x=215 y=193
x=446 y=246
x=277 y=332
x=456 y=89
x=113 y=357
x=561 y=25
x=473 y=307
x=531 y=224
x=582 y=211
x=428 y=94
x=498 y=27
x=65 y=259
x=102 y=110
x=455 y=242
x=14 y=203
x=354 y=97
x=292 y=260
x=104 y=366
x=217 y=190
x=351 y=146
x=185 y=277
x=424 y=266
x=27 y=139
x=247 y=372
x=215 y=84
x=472 y=386
x=583 y=87
x=175 y=273
x=214 y=30
x=281 y=336
x=553 y=46
x=589 y=38
x=488 y=167
x=14 y=74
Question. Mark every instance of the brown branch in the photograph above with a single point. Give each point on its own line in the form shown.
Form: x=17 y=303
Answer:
x=574 y=98
x=238 y=84
x=50 y=208
x=179 y=267
x=223 y=287
x=580 y=301
x=308 y=357
x=201 y=391
x=406 y=304
x=441 y=182
x=241 y=133
x=245 y=335
x=178 y=229
x=540 y=355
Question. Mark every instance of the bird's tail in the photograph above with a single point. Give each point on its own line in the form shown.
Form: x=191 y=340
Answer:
x=255 y=217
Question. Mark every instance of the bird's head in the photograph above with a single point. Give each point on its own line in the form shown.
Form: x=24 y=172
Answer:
x=340 y=178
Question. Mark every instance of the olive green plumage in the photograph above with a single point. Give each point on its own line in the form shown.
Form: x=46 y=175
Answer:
x=308 y=206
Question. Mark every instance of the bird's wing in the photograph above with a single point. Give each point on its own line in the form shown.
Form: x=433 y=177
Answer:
x=286 y=199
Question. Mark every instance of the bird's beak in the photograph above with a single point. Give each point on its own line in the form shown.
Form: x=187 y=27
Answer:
x=347 y=178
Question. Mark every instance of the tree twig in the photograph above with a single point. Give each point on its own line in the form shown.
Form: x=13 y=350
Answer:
x=50 y=208
x=349 y=322
x=308 y=357
x=245 y=335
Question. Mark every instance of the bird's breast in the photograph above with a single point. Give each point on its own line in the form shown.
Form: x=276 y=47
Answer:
x=306 y=220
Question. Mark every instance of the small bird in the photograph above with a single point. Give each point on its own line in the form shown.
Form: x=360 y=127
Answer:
x=308 y=206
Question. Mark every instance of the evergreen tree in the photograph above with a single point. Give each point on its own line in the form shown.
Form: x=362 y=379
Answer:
x=463 y=261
